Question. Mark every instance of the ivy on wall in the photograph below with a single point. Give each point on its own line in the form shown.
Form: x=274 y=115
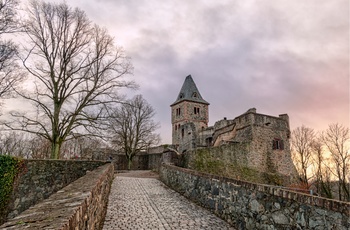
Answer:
x=10 y=167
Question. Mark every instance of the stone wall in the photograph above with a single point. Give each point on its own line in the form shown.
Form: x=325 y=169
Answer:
x=41 y=178
x=139 y=162
x=268 y=138
x=80 y=205
x=265 y=130
x=234 y=160
x=235 y=154
x=255 y=206
x=148 y=160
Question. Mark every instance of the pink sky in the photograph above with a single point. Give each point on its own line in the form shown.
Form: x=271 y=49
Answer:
x=277 y=56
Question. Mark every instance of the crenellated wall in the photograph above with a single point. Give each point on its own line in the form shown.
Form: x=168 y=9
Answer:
x=267 y=136
x=80 y=205
x=255 y=206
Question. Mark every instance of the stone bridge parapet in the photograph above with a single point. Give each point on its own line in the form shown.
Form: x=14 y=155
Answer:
x=255 y=206
x=41 y=178
x=80 y=205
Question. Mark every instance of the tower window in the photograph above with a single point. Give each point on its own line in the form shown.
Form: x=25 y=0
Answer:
x=182 y=132
x=277 y=144
x=178 y=112
x=194 y=95
x=196 y=110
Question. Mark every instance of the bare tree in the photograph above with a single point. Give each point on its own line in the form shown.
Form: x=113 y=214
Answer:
x=8 y=143
x=39 y=148
x=76 y=72
x=15 y=144
x=302 y=140
x=8 y=50
x=80 y=147
x=321 y=169
x=132 y=127
x=336 y=139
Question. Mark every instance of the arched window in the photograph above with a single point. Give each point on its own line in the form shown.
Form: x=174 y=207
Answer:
x=194 y=95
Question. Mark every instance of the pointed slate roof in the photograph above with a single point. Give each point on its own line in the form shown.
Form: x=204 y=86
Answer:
x=189 y=92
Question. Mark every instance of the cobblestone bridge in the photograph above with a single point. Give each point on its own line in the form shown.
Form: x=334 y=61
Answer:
x=138 y=200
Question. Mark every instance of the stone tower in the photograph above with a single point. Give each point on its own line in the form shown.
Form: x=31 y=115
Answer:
x=189 y=114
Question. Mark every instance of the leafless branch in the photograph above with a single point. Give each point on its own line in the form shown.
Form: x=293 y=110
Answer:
x=77 y=71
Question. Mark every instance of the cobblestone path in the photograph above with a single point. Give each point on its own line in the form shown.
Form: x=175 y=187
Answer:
x=146 y=203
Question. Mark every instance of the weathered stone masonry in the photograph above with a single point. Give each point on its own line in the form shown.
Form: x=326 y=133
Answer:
x=268 y=136
x=254 y=206
x=41 y=178
x=80 y=205
x=150 y=160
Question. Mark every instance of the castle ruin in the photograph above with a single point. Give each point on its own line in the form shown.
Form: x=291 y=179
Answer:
x=267 y=136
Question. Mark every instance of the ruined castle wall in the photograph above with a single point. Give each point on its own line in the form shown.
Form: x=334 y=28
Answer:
x=238 y=160
x=275 y=160
x=222 y=123
x=260 y=131
x=225 y=156
x=265 y=130
x=224 y=134
x=255 y=206
x=205 y=137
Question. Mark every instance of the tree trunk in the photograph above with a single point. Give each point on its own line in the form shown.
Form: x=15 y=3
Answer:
x=346 y=192
x=344 y=184
x=339 y=189
x=129 y=163
x=327 y=190
x=55 y=150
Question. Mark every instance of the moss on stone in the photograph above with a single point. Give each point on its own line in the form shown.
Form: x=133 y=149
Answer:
x=10 y=167
x=206 y=162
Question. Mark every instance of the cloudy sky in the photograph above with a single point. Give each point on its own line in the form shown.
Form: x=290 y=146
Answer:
x=279 y=56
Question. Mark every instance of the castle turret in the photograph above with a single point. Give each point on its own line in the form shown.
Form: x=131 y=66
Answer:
x=189 y=114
